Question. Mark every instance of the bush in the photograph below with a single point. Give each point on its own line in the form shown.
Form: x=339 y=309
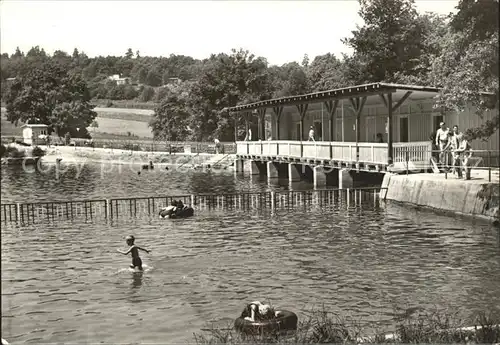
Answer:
x=132 y=147
x=14 y=152
x=38 y=152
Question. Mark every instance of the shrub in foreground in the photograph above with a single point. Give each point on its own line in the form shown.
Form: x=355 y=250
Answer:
x=38 y=152
x=322 y=327
x=14 y=152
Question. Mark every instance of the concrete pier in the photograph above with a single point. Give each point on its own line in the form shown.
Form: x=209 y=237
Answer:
x=294 y=172
x=272 y=170
x=345 y=179
x=319 y=176
x=478 y=198
x=238 y=165
x=252 y=167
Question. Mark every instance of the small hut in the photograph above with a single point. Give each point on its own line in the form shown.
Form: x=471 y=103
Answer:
x=33 y=134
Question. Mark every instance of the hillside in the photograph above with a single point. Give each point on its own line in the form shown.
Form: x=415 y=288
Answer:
x=112 y=123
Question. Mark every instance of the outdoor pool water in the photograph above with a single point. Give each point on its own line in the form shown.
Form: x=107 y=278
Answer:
x=64 y=282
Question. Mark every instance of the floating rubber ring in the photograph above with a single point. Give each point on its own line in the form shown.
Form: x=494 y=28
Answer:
x=286 y=321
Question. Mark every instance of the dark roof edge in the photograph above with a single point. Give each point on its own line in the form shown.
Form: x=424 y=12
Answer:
x=325 y=94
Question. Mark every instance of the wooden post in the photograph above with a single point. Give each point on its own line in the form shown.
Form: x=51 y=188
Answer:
x=389 y=129
x=262 y=123
x=18 y=212
x=247 y=126
x=390 y=109
x=235 y=126
x=277 y=112
x=331 y=107
x=302 y=111
x=358 y=104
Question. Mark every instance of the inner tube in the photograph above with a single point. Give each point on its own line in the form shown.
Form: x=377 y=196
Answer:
x=183 y=213
x=285 y=321
x=168 y=212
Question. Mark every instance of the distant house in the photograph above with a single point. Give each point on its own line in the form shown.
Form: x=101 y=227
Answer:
x=32 y=133
x=173 y=80
x=9 y=81
x=119 y=80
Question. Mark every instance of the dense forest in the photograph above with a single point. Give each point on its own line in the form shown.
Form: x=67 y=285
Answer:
x=458 y=53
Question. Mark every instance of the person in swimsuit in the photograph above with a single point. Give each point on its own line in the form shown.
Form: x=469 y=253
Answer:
x=256 y=311
x=134 y=250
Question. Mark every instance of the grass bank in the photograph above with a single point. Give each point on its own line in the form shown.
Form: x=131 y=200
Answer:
x=322 y=327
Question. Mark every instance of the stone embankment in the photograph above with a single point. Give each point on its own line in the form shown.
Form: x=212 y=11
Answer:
x=69 y=155
x=476 y=197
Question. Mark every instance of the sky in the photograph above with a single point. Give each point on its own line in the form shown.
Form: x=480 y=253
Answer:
x=281 y=31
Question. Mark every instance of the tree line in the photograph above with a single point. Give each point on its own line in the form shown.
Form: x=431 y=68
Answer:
x=457 y=52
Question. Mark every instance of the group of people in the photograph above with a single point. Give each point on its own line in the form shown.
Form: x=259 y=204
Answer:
x=451 y=146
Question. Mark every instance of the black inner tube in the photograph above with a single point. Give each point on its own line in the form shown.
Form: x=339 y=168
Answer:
x=286 y=321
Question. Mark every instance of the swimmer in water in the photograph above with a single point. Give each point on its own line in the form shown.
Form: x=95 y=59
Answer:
x=136 y=260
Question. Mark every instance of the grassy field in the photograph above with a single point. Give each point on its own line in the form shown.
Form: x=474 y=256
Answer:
x=123 y=104
x=122 y=127
x=114 y=123
x=124 y=116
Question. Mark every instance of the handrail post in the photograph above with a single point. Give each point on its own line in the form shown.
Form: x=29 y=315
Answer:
x=18 y=211
x=108 y=208
x=407 y=158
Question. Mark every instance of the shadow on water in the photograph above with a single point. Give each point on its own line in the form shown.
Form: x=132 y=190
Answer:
x=137 y=280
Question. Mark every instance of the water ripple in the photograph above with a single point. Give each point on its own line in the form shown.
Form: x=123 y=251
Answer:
x=361 y=261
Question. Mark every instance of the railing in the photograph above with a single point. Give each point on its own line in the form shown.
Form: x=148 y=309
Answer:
x=133 y=144
x=26 y=213
x=416 y=151
x=484 y=163
x=375 y=153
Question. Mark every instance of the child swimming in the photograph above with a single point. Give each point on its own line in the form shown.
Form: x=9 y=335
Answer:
x=136 y=260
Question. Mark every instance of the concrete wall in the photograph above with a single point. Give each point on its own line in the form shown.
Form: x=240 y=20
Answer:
x=457 y=196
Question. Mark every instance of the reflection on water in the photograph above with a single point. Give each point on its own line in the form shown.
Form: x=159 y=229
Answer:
x=361 y=261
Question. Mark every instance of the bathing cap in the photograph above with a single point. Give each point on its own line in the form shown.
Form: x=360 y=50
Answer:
x=130 y=237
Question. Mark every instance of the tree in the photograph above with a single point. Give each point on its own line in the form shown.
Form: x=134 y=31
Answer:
x=18 y=53
x=468 y=64
x=434 y=28
x=52 y=96
x=153 y=77
x=147 y=94
x=225 y=81
x=289 y=79
x=171 y=117
x=326 y=72
x=94 y=125
x=389 y=41
x=129 y=54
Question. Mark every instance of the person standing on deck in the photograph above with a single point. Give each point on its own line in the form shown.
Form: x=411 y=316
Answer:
x=454 y=139
x=311 y=134
x=464 y=152
x=248 y=137
x=442 y=140
x=217 y=146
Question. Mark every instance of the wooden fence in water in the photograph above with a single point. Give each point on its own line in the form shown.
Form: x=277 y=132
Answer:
x=26 y=213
